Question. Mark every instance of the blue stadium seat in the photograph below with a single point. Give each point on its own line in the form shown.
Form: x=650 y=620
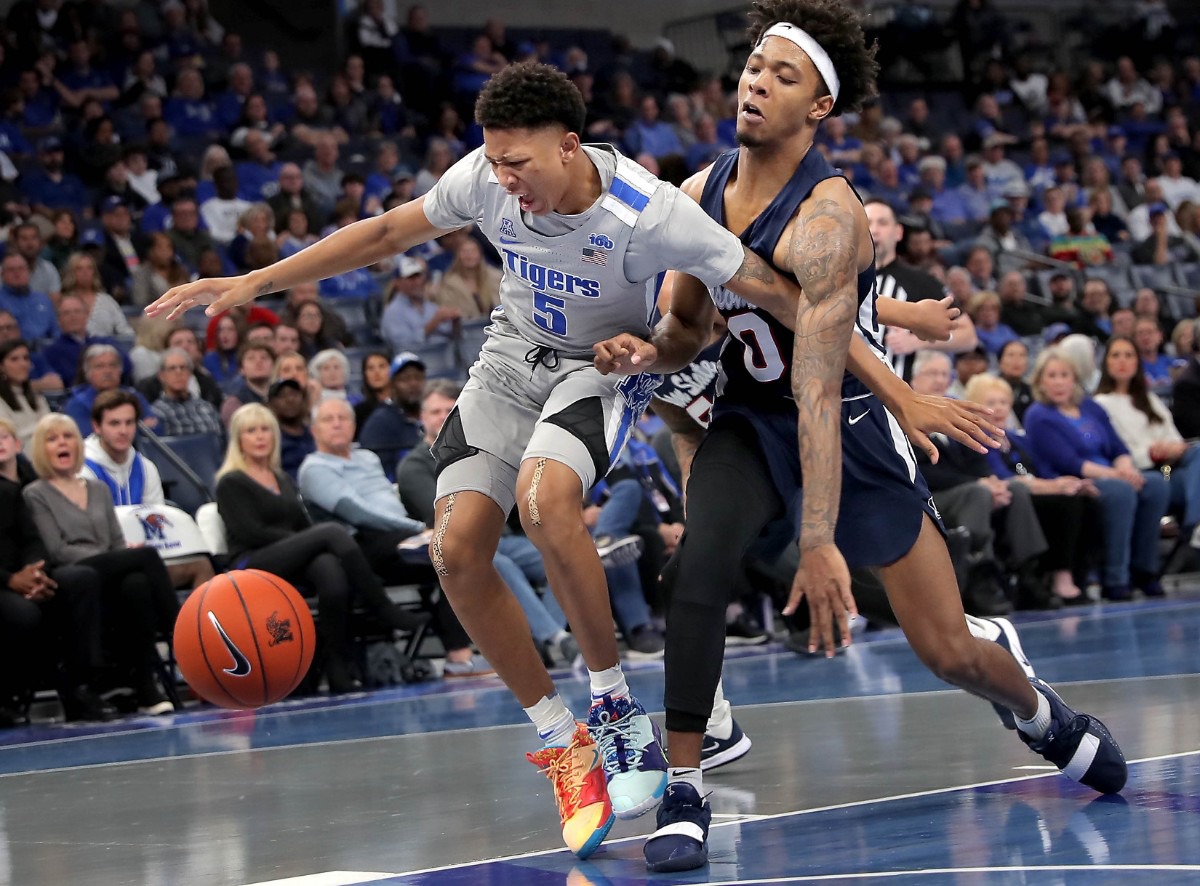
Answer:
x=201 y=453
x=441 y=360
x=1189 y=275
x=472 y=340
x=1156 y=277
x=1118 y=281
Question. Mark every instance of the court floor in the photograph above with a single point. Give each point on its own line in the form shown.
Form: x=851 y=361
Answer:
x=865 y=769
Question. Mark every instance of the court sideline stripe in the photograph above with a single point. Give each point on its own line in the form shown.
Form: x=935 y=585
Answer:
x=932 y=792
x=950 y=690
x=925 y=872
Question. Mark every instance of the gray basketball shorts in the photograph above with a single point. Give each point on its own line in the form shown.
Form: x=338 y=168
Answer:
x=525 y=402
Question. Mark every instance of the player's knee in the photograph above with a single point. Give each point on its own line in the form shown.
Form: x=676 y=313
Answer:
x=546 y=508
x=452 y=551
x=956 y=660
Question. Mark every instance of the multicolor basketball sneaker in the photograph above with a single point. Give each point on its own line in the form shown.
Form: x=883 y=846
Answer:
x=631 y=754
x=579 y=791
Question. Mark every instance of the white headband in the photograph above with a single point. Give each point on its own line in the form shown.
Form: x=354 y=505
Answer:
x=810 y=47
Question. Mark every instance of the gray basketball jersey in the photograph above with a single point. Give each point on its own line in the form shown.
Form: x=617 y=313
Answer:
x=600 y=276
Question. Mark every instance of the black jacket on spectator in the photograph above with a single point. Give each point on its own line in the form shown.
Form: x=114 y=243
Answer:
x=255 y=516
x=20 y=543
x=1185 y=400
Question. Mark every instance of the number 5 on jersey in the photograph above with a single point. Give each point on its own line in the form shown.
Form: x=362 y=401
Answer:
x=548 y=312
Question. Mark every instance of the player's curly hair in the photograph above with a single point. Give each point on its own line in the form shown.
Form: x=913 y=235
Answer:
x=530 y=95
x=838 y=29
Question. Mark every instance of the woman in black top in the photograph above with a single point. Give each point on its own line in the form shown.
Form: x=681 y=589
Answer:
x=376 y=387
x=268 y=528
x=1013 y=363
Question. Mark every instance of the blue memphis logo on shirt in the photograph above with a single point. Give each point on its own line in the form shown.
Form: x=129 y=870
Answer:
x=545 y=279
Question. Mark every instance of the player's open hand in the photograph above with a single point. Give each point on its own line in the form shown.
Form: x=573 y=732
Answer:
x=935 y=320
x=220 y=293
x=624 y=354
x=961 y=420
x=825 y=580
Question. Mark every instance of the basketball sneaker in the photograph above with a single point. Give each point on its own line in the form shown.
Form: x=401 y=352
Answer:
x=1079 y=745
x=681 y=841
x=717 y=751
x=579 y=791
x=631 y=754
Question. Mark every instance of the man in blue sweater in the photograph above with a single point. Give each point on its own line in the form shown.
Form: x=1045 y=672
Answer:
x=342 y=483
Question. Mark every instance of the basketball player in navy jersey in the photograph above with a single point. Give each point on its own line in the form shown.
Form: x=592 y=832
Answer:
x=787 y=410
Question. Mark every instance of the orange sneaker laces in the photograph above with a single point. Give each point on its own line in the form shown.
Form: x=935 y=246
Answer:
x=568 y=785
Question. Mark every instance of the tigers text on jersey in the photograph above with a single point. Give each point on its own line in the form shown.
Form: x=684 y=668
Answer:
x=573 y=280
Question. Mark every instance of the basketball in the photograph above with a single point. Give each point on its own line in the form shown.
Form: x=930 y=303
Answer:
x=244 y=639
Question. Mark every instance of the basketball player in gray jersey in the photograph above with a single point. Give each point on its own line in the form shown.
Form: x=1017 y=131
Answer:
x=584 y=235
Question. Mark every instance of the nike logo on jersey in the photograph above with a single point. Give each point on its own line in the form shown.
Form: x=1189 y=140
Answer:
x=855 y=419
x=508 y=242
x=545 y=279
x=241 y=664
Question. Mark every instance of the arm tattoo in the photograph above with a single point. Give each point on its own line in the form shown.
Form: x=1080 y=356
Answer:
x=266 y=288
x=824 y=257
x=754 y=270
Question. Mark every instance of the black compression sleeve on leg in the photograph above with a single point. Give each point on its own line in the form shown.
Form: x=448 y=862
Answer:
x=731 y=497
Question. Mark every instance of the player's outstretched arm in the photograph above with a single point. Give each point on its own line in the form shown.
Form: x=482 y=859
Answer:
x=354 y=246
x=920 y=415
x=823 y=255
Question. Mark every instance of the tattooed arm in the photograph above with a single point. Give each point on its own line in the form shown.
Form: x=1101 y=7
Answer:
x=823 y=255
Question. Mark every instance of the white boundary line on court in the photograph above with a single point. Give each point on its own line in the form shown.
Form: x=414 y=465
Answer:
x=328 y=878
x=486 y=684
x=949 y=690
x=925 y=872
x=836 y=806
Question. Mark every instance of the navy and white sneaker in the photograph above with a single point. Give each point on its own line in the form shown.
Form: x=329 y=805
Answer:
x=1079 y=745
x=720 y=751
x=681 y=841
x=1002 y=632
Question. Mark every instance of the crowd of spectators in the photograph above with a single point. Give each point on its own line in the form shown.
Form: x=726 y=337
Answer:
x=144 y=146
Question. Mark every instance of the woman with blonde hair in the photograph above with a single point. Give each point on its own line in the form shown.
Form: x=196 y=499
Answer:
x=1063 y=505
x=150 y=340
x=81 y=277
x=267 y=527
x=20 y=404
x=78 y=524
x=1071 y=435
x=470 y=285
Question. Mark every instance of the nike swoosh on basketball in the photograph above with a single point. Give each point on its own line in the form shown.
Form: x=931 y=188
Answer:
x=855 y=419
x=241 y=664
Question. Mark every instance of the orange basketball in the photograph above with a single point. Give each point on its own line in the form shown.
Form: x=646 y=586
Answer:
x=244 y=639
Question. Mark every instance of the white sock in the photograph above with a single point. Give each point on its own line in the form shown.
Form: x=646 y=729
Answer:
x=553 y=721
x=1037 y=726
x=720 y=723
x=686 y=775
x=610 y=681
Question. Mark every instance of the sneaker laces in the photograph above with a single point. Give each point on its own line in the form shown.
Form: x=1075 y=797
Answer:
x=619 y=751
x=556 y=764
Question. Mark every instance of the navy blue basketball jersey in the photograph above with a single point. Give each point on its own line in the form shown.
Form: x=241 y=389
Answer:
x=756 y=361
